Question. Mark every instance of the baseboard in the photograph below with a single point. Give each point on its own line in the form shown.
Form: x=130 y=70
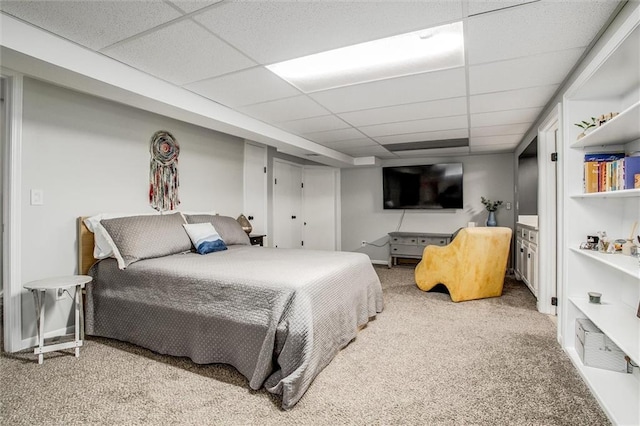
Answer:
x=380 y=262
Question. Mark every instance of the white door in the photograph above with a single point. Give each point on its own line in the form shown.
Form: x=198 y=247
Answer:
x=255 y=187
x=287 y=205
x=320 y=208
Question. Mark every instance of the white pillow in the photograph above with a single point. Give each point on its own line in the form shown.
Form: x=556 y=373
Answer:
x=204 y=237
x=103 y=244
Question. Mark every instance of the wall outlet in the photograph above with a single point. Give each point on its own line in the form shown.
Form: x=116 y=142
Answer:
x=362 y=244
x=60 y=293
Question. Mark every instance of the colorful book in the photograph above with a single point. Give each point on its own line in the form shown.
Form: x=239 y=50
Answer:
x=630 y=168
x=591 y=176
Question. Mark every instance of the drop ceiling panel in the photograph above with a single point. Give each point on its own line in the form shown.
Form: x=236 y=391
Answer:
x=423 y=136
x=509 y=129
x=351 y=143
x=477 y=7
x=189 y=6
x=499 y=118
x=540 y=70
x=274 y=31
x=460 y=150
x=94 y=24
x=512 y=140
x=491 y=149
x=434 y=124
x=244 y=87
x=534 y=28
x=314 y=124
x=402 y=90
x=363 y=151
x=334 y=135
x=285 y=109
x=512 y=99
x=171 y=54
x=415 y=111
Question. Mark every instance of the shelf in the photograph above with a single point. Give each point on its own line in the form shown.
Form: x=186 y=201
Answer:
x=627 y=264
x=617 y=321
x=618 y=393
x=620 y=130
x=623 y=193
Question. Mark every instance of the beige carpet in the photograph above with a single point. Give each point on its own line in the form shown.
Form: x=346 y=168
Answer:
x=423 y=361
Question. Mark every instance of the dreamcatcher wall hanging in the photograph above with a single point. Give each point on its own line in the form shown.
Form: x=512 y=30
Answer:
x=163 y=174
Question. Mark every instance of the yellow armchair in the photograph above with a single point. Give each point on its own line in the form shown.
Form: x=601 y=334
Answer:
x=472 y=266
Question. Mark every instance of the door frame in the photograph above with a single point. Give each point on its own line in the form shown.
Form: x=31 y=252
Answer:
x=549 y=233
x=11 y=199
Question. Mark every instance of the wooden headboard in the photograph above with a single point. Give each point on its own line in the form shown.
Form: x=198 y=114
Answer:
x=85 y=247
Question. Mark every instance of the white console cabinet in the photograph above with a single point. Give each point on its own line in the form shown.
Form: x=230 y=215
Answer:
x=527 y=256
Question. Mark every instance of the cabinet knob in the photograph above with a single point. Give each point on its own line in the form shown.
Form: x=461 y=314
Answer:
x=293 y=217
x=395 y=249
x=529 y=255
x=521 y=250
x=250 y=218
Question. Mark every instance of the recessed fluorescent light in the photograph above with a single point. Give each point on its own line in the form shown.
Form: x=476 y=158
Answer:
x=412 y=53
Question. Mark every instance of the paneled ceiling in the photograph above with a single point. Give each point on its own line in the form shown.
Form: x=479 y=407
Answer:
x=516 y=55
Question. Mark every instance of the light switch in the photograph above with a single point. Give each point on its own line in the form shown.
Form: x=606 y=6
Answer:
x=508 y=205
x=37 y=197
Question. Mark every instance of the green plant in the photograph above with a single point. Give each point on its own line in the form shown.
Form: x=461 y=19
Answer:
x=491 y=206
x=584 y=125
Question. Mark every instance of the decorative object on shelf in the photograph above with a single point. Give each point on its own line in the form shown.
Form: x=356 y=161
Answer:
x=603 y=242
x=585 y=125
x=491 y=207
x=605 y=117
x=594 y=297
x=628 y=245
x=163 y=174
x=244 y=222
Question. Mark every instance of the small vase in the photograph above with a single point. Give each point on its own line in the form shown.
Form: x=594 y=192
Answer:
x=491 y=220
x=244 y=222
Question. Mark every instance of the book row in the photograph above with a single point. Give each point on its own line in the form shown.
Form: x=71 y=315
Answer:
x=610 y=172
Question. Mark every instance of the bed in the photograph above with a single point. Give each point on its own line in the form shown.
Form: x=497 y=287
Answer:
x=279 y=316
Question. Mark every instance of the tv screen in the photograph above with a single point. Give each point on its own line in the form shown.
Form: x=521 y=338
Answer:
x=435 y=186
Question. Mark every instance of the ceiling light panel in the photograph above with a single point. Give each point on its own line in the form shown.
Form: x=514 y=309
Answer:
x=406 y=54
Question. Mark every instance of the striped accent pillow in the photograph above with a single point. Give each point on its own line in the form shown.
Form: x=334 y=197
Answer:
x=205 y=238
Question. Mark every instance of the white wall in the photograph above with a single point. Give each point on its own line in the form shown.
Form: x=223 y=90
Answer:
x=364 y=219
x=89 y=156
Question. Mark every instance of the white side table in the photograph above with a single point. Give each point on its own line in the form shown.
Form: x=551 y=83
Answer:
x=38 y=289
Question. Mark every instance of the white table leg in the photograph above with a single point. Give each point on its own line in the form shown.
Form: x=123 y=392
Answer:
x=38 y=297
x=78 y=303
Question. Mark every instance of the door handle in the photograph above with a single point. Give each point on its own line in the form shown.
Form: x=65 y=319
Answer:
x=293 y=217
x=250 y=218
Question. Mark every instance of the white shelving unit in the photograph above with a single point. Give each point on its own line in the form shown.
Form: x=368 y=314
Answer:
x=608 y=82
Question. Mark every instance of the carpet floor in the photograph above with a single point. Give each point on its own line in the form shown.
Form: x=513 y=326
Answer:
x=424 y=361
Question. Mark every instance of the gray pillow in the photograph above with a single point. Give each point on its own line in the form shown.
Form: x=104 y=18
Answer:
x=143 y=237
x=227 y=227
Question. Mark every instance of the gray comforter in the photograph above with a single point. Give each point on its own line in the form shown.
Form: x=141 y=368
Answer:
x=278 y=316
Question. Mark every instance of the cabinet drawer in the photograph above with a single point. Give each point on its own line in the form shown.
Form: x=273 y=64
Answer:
x=431 y=241
x=406 y=250
x=404 y=240
x=523 y=232
x=533 y=237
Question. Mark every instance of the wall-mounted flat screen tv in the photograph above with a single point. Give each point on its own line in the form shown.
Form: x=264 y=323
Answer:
x=434 y=186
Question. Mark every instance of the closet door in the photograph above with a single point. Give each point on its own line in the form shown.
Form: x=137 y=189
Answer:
x=255 y=187
x=320 y=208
x=287 y=205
